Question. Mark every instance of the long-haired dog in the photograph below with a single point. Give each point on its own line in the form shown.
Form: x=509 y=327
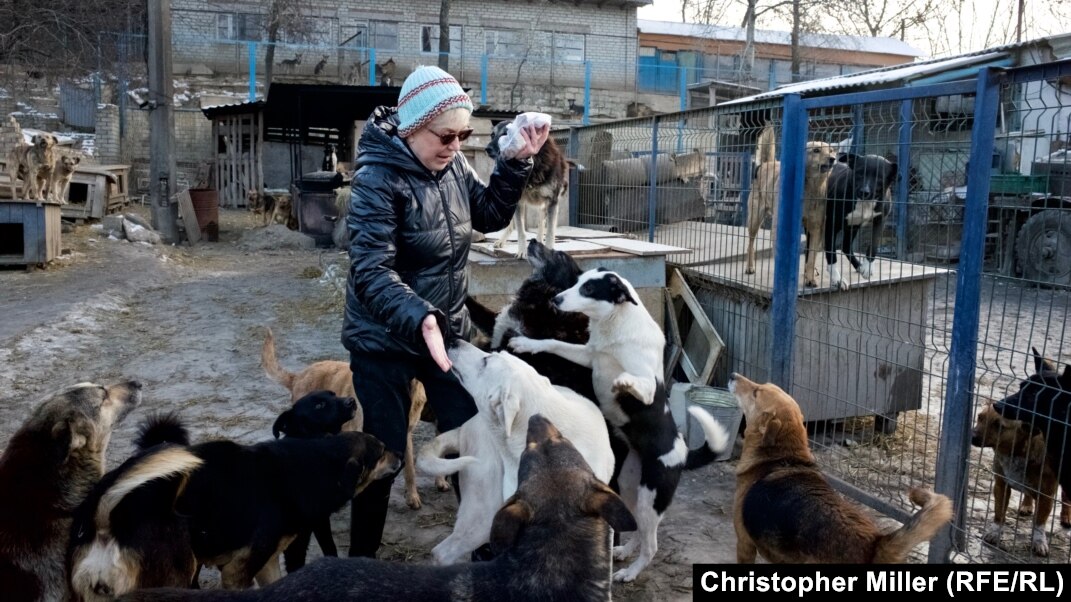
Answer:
x=49 y=466
x=1019 y=463
x=547 y=187
x=857 y=194
x=336 y=376
x=786 y=510
x=126 y=534
x=624 y=351
x=819 y=158
x=33 y=163
x=550 y=538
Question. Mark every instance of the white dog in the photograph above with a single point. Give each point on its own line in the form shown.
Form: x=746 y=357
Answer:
x=624 y=352
x=507 y=391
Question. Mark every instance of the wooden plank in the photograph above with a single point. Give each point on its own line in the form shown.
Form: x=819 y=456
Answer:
x=189 y=217
x=572 y=247
x=641 y=247
x=570 y=232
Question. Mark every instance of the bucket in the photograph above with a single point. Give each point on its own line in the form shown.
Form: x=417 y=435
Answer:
x=720 y=404
x=206 y=208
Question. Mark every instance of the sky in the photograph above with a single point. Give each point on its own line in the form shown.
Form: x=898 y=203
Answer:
x=980 y=24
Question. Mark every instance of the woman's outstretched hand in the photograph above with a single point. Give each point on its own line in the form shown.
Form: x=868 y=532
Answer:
x=433 y=337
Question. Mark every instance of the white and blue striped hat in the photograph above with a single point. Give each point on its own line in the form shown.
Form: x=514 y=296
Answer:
x=427 y=93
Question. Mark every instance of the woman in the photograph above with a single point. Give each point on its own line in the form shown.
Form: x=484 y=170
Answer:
x=414 y=204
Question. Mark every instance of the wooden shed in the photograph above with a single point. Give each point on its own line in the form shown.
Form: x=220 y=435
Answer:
x=237 y=163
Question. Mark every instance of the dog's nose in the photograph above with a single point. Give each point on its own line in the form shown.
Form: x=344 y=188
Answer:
x=558 y=300
x=102 y=589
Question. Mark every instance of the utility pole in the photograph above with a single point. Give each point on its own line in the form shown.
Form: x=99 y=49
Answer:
x=161 y=123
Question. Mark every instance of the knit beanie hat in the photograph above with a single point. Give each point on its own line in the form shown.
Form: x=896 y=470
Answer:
x=427 y=93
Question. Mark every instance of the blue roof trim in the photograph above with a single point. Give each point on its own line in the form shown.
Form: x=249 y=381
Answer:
x=968 y=72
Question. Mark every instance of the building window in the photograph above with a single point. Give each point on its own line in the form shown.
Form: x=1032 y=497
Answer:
x=569 y=47
x=648 y=51
x=429 y=39
x=381 y=35
x=504 y=43
x=239 y=27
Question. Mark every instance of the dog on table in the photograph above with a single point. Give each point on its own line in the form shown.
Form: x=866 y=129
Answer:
x=819 y=158
x=624 y=351
x=786 y=510
x=318 y=414
x=550 y=538
x=1019 y=463
x=125 y=535
x=48 y=467
x=336 y=376
x=857 y=194
x=66 y=164
x=507 y=392
x=33 y=163
x=547 y=186
x=1043 y=402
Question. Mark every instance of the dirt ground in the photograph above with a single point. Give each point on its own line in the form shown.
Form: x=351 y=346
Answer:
x=188 y=322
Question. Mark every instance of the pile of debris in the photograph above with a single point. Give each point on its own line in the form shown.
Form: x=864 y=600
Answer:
x=127 y=226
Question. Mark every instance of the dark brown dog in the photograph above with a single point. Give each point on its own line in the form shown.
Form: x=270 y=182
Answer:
x=50 y=465
x=786 y=510
x=336 y=376
x=1019 y=463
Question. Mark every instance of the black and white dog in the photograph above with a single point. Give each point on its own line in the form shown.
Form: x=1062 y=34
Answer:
x=1043 y=401
x=856 y=194
x=624 y=351
x=330 y=162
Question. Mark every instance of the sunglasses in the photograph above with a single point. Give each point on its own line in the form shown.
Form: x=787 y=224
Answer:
x=448 y=139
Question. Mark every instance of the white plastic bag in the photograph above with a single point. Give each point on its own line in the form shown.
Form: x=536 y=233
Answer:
x=512 y=142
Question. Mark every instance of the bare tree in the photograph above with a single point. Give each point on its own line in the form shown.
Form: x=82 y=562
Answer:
x=285 y=18
x=444 y=35
x=882 y=18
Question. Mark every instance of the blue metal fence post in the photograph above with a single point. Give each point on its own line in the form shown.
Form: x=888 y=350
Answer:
x=903 y=188
x=574 y=178
x=652 y=188
x=857 y=129
x=484 y=67
x=371 y=66
x=951 y=476
x=684 y=88
x=587 y=93
x=787 y=242
x=252 y=47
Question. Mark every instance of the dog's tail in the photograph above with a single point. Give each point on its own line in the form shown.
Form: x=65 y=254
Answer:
x=161 y=428
x=935 y=513
x=271 y=363
x=717 y=440
x=766 y=146
x=163 y=463
x=431 y=460
x=482 y=316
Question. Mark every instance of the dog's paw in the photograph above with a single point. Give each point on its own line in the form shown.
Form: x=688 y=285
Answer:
x=499 y=243
x=992 y=534
x=634 y=386
x=865 y=268
x=525 y=345
x=749 y=269
x=627 y=574
x=1040 y=542
x=412 y=500
x=522 y=252
x=442 y=484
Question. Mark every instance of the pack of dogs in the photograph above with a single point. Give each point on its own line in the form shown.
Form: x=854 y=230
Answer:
x=45 y=169
x=560 y=460
x=842 y=193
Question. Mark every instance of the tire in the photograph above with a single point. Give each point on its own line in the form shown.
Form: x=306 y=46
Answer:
x=1043 y=248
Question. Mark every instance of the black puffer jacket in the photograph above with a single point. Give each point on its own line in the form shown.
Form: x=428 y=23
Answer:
x=410 y=232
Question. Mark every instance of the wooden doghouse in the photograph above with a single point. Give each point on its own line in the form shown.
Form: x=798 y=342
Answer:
x=29 y=232
x=96 y=191
x=237 y=163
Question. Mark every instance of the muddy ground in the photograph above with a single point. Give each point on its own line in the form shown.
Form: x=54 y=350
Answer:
x=188 y=323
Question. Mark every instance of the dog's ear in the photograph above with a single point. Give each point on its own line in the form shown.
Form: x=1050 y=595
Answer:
x=76 y=160
x=509 y=523
x=1040 y=363
x=507 y=405
x=620 y=292
x=770 y=428
x=892 y=173
x=605 y=503
x=1065 y=378
x=282 y=423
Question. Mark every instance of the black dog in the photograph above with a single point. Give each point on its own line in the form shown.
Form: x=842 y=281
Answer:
x=128 y=515
x=318 y=414
x=330 y=162
x=855 y=195
x=1043 y=401
x=550 y=537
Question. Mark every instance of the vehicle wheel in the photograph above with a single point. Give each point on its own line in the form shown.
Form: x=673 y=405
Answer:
x=1043 y=248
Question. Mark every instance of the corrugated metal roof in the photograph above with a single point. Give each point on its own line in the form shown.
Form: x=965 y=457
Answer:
x=783 y=38
x=902 y=73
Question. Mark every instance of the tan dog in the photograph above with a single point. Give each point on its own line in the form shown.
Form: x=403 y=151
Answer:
x=336 y=376
x=786 y=510
x=766 y=193
x=33 y=163
x=281 y=210
x=62 y=173
x=1019 y=464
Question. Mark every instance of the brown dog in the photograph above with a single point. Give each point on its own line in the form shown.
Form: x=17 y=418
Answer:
x=766 y=193
x=1019 y=464
x=786 y=510
x=336 y=376
x=33 y=163
x=62 y=173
